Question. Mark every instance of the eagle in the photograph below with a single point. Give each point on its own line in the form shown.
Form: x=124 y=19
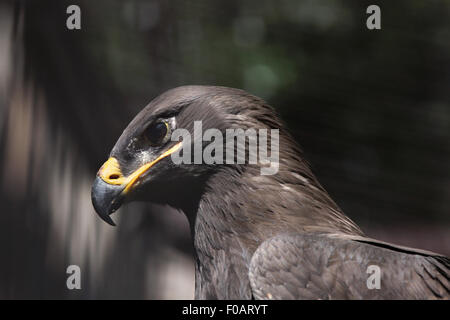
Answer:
x=256 y=236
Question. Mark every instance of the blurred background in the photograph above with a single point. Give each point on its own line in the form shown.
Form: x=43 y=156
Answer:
x=371 y=109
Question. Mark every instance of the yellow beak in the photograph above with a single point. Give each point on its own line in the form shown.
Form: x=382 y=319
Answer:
x=110 y=171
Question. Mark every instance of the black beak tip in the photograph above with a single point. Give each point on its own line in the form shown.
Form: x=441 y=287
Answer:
x=106 y=199
x=108 y=220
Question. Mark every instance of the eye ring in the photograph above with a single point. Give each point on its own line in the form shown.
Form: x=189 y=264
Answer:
x=157 y=132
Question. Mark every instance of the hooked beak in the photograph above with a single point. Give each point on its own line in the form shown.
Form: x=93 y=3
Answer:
x=110 y=187
x=106 y=199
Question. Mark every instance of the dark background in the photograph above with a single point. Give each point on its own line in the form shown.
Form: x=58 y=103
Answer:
x=371 y=109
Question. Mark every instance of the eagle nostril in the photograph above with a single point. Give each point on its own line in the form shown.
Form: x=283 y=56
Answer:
x=114 y=177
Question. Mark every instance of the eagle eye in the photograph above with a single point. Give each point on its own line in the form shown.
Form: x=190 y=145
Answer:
x=157 y=132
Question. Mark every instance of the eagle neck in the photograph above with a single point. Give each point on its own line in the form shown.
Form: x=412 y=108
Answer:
x=223 y=240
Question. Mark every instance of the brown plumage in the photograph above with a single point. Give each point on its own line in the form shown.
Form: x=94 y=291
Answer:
x=262 y=236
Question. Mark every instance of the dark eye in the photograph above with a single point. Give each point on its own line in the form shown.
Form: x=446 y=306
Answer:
x=157 y=132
